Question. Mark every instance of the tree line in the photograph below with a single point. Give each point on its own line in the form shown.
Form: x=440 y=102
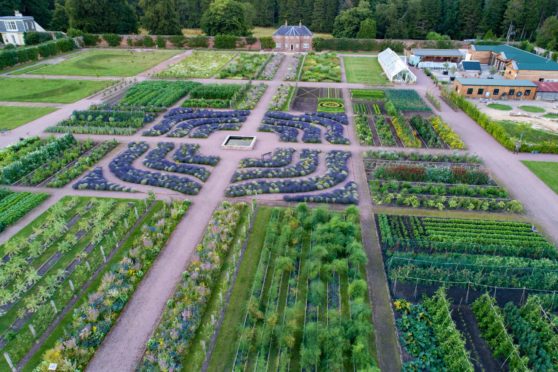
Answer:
x=533 y=20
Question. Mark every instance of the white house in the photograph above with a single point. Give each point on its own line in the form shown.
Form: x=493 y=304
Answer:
x=12 y=28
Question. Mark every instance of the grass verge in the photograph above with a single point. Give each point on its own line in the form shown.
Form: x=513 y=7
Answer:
x=547 y=172
x=12 y=117
x=48 y=90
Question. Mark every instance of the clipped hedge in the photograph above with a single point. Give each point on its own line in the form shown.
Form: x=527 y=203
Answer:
x=11 y=57
x=90 y=39
x=34 y=38
x=344 y=44
x=177 y=40
x=267 y=42
x=198 y=42
x=112 y=40
x=225 y=41
x=494 y=128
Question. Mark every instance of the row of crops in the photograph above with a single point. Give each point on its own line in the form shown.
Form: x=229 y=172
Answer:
x=472 y=294
x=142 y=101
x=15 y=205
x=413 y=180
x=52 y=161
x=80 y=248
x=225 y=65
x=224 y=96
x=300 y=297
x=396 y=117
x=438 y=335
x=467 y=253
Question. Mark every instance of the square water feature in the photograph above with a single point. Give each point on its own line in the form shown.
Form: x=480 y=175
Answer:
x=239 y=143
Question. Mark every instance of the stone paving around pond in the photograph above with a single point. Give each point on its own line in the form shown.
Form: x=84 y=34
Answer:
x=124 y=346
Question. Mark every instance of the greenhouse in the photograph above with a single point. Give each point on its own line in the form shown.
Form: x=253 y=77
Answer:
x=395 y=68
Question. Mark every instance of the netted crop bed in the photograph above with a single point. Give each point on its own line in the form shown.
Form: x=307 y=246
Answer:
x=467 y=253
x=501 y=276
x=434 y=182
x=399 y=118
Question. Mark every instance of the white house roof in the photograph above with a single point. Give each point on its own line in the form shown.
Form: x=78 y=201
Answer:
x=395 y=68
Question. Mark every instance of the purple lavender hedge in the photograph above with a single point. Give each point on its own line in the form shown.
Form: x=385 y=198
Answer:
x=181 y=122
x=121 y=167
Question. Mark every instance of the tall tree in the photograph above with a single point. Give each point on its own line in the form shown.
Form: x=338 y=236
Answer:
x=59 y=21
x=515 y=16
x=160 y=17
x=347 y=23
x=319 y=16
x=101 y=16
x=227 y=17
x=547 y=36
x=367 y=29
x=493 y=14
x=470 y=12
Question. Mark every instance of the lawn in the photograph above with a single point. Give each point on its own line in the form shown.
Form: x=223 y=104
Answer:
x=551 y=116
x=104 y=63
x=499 y=106
x=527 y=133
x=364 y=70
x=534 y=109
x=48 y=90
x=12 y=116
x=547 y=171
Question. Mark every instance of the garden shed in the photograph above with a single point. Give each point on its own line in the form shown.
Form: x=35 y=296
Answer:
x=547 y=91
x=395 y=68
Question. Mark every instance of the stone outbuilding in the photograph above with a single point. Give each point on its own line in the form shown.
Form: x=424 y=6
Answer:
x=293 y=38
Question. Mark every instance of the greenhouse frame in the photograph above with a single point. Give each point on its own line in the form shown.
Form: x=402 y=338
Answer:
x=395 y=68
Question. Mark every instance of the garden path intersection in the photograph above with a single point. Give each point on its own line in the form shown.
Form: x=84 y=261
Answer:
x=124 y=346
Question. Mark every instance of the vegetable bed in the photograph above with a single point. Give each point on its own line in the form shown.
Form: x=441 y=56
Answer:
x=307 y=305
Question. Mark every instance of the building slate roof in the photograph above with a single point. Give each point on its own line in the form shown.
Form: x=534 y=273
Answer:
x=496 y=82
x=437 y=52
x=523 y=59
x=19 y=21
x=546 y=86
x=286 y=30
